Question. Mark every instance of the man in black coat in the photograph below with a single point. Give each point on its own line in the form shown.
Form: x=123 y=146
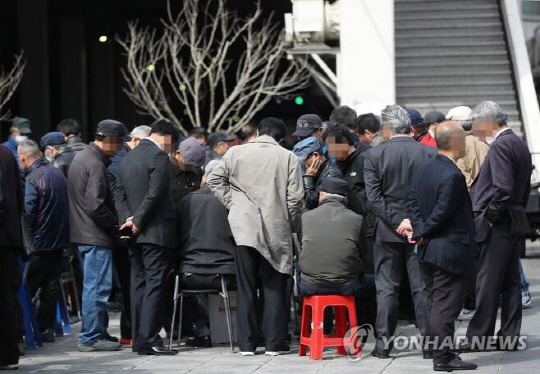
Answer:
x=145 y=207
x=72 y=132
x=11 y=206
x=441 y=216
x=350 y=159
x=389 y=171
x=499 y=197
x=94 y=229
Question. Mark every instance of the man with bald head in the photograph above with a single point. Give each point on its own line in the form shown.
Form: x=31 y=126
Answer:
x=442 y=221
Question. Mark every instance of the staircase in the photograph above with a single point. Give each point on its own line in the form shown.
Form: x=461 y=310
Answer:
x=453 y=52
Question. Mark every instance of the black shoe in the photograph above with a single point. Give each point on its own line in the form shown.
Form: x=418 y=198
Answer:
x=48 y=336
x=455 y=364
x=427 y=355
x=384 y=354
x=110 y=338
x=199 y=342
x=157 y=351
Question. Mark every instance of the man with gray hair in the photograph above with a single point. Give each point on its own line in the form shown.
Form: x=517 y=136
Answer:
x=475 y=150
x=389 y=170
x=47 y=214
x=499 y=197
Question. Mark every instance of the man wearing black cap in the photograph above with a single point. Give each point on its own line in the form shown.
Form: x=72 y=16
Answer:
x=333 y=228
x=432 y=119
x=94 y=228
x=51 y=145
x=309 y=125
x=218 y=144
x=146 y=209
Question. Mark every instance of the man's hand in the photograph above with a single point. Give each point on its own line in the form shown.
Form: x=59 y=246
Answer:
x=129 y=225
x=404 y=228
x=313 y=165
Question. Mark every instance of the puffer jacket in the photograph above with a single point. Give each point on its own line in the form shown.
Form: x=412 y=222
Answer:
x=46 y=206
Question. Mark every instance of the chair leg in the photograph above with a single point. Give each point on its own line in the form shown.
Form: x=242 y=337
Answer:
x=175 y=301
x=180 y=319
x=228 y=312
x=341 y=326
x=304 y=331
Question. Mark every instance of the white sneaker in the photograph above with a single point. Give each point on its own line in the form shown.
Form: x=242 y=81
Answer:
x=283 y=351
x=525 y=299
x=247 y=353
x=466 y=315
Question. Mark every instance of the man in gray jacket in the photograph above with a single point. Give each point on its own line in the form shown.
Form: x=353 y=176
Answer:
x=261 y=185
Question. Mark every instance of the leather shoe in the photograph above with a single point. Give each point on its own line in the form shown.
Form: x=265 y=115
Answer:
x=383 y=355
x=427 y=355
x=455 y=364
x=156 y=351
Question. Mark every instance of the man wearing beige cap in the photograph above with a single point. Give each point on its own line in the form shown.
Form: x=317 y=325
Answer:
x=475 y=149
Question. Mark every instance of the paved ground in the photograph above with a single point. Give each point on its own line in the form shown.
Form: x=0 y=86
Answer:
x=62 y=356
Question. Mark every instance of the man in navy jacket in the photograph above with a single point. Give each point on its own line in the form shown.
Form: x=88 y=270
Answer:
x=442 y=221
x=499 y=197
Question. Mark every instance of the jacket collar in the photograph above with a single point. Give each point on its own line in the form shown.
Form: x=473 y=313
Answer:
x=334 y=200
x=36 y=164
x=266 y=139
x=100 y=154
x=402 y=138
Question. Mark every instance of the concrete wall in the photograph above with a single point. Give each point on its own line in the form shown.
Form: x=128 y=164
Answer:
x=366 y=69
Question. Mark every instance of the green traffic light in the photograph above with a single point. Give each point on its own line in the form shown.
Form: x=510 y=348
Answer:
x=299 y=100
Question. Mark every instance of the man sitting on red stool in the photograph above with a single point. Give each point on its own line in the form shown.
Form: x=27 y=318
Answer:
x=331 y=260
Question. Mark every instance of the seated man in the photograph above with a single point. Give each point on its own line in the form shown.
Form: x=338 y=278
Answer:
x=332 y=256
x=206 y=251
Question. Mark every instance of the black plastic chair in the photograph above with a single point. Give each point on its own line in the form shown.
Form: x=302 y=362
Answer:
x=179 y=294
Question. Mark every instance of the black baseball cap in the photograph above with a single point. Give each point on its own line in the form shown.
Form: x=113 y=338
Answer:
x=334 y=185
x=219 y=136
x=307 y=124
x=110 y=127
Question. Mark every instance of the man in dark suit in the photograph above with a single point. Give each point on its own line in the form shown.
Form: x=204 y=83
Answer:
x=441 y=216
x=499 y=197
x=145 y=205
x=388 y=173
x=11 y=205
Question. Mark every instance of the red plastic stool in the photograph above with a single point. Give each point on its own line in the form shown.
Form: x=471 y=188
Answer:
x=317 y=340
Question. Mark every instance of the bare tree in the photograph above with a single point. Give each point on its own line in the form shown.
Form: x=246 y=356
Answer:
x=9 y=81
x=195 y=60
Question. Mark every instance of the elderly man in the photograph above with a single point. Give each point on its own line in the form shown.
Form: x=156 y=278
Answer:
x=47 y=213
x=72 y=132
x=94 y=229
x=145 y=206
x=389 y=170
x=499 y=197
x=420 y=131
x=52 y=144
x=475 y=150
x=11 y=208
x=442 y=222
x=186 y=162
x=315 y=168
x=332 y=228
x=18 y=134
x=261 y=185
x=218 y=144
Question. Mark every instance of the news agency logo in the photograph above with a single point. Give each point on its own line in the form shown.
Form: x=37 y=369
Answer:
x=359 y=342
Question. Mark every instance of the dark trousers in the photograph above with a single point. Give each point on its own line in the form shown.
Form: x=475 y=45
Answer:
x=123 y=269
x=149 y=264
x=44 y=271
x=498 y=275
x=9 y=336
x=251 y=269
x=390 y=259
x=446 y=292
x=363 y=290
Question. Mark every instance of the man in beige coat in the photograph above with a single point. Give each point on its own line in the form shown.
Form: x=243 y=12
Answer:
x=261 y=185
x=475 y=150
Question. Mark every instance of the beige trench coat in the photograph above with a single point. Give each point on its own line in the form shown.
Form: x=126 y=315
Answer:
x=261 y=185
x=475 y=154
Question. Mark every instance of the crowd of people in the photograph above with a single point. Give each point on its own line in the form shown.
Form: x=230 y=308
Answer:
x=357 y=205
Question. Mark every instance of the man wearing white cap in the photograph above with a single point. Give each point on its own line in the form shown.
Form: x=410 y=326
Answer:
x=475 y=150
